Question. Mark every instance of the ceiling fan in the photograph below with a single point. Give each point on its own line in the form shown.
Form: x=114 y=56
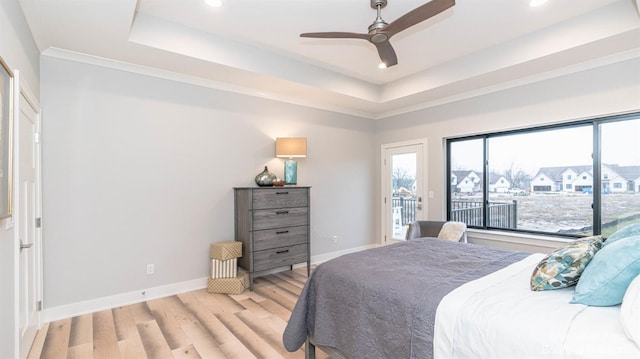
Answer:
x=380 y=31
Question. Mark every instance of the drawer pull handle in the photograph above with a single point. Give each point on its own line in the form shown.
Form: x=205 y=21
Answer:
x=283 y=251
x=282 y=232
x=282 y=192
x=282 y=212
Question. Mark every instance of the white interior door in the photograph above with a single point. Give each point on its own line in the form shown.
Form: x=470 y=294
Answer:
x=403 y=187
x=27 y=219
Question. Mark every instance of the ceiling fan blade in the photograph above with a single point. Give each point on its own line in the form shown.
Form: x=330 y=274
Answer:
x=335 y=35
x=417 y=15
x=387 y=54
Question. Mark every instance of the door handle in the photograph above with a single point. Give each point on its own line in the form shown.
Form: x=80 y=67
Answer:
x=25 y=246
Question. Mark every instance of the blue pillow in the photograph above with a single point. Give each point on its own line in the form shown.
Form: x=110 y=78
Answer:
x=606 y=278
x=626 y=231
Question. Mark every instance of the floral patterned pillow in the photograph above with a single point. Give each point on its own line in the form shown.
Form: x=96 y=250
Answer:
x=562 y=268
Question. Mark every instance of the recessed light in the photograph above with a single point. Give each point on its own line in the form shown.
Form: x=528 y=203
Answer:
x=535 y=3
x=213 y=3
x=382 y=65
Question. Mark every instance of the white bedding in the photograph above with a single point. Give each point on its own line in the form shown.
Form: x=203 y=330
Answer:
x=498 y=316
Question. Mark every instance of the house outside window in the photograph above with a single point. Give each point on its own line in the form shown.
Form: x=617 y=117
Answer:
x=552 y=176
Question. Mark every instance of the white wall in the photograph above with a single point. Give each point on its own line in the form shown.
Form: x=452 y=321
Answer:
x=596 y=92
x=19 y=52
x=140 y=170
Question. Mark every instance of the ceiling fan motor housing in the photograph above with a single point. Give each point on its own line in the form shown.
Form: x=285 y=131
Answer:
x=378 y=24
x=375 y=3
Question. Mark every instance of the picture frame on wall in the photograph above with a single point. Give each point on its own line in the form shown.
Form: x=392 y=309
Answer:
x=6 y=139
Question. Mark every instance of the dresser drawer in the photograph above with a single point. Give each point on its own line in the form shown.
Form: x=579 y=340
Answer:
x=280 y=237
x=279 y=257
x=280 y=198
x=277 y=218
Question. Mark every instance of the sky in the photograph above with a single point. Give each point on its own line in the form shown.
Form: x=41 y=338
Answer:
x=559 y=147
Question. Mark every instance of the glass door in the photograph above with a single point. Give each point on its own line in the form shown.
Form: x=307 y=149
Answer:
x=403 y=188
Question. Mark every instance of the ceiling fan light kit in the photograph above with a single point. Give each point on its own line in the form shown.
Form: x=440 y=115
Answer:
x=380 y=31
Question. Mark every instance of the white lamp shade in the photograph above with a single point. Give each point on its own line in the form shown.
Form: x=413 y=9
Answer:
x=291 y=147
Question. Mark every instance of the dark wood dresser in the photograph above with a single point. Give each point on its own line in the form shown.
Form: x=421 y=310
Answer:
x=273 y=225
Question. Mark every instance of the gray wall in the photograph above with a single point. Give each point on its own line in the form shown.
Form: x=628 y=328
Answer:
x=19 y=52
x=140 y=170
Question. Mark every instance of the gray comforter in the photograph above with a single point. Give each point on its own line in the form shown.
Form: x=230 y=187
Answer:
x=381 y=303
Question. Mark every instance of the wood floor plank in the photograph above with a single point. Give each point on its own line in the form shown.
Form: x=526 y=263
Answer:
x=180 y=312
x=80 y=351
x=291 y=280
x=277 y=309
x=105 y=341
x=218 y=303
x=56 y=343
x=203 y=341
x=81 y=330
x=255 y=308
x=257 y=345
x=141 y=312
x=153 y=341
x=132 y=349
x=275 y=323
x=272 y=292
x=266 y=332
x=129 y=340
x=38 y=342
x=226 y=340
x=298 y=274
x=248 y=294
x=186 y=352
x=284 y=285
x=168 y=324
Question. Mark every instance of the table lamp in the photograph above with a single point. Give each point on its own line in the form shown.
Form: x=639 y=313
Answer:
x=291 y=147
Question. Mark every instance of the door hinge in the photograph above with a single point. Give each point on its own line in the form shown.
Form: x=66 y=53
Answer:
x=36 y=137
x=39 y=306
x=39 y=222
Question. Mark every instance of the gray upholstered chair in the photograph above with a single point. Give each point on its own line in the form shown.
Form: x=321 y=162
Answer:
x=452 y=230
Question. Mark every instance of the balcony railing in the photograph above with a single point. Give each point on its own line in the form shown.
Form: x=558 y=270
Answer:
x=503 y=214
x=407 y=207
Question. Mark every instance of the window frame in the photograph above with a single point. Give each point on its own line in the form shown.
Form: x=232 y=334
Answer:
x=596 y=125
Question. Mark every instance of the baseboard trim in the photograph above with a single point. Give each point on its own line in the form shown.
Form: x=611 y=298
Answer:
x=118 y=300
x=137 y=296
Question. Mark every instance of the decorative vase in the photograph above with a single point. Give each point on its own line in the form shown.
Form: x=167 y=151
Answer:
x=265 y=178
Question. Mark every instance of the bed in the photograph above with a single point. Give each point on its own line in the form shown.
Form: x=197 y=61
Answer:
x=433 y=298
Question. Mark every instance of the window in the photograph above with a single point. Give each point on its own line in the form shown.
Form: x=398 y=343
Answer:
x=552 y=173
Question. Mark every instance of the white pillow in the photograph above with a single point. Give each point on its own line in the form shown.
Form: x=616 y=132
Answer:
x=630 y=311
x=452 y=231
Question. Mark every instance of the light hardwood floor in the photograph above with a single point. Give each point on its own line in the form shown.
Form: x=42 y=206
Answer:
x=189 y=325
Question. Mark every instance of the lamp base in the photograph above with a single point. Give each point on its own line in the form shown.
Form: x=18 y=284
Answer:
x=290 y=172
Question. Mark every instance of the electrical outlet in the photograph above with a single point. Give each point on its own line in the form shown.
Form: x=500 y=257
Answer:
x=150 y=269
x=334 y=239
